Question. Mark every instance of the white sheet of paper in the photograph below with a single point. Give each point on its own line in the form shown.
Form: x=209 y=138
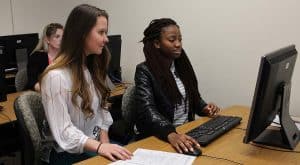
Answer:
x=152 y=157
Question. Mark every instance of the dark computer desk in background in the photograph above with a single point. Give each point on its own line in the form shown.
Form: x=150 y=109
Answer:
x=9 y=141
x=229 y=146
x=7 y=114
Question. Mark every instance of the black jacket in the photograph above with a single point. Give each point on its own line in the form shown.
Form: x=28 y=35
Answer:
x=155 y=113
x=37 y=63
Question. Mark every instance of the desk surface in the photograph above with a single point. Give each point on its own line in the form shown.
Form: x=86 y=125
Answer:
x=229 y=146
x=118 y=90
x=8 y=114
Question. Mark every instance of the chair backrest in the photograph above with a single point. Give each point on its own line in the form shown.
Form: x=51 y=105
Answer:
x=21 y=79
x=31 y=119
x=128 y=106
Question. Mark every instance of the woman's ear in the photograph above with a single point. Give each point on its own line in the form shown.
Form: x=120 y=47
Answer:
x=156 y=44
x=46 y=40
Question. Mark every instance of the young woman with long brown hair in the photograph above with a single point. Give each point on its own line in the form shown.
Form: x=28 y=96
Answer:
x=74 y=92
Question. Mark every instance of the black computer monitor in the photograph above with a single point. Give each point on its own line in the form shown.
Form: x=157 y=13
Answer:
x=2 y=79
x=16 y=49
x=271 y=97
x=114 y=69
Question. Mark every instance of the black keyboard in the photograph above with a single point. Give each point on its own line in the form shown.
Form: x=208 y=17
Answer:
x=214 y=128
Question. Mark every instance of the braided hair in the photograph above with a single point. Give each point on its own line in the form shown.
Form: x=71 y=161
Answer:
x=158 y=65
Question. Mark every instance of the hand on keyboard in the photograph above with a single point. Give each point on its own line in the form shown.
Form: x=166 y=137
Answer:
x=211 y=110
x=183 y=143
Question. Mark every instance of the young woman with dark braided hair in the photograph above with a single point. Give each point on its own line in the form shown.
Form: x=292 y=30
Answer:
x=166 y=87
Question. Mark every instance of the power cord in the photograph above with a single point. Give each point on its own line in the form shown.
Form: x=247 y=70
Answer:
x=222 y=159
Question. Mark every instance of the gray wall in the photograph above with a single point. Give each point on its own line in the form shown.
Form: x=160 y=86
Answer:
x=223 y=39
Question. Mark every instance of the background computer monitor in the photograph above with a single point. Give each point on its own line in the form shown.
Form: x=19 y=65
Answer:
x=16 y=49
x=2 y=79
x=114 y=69
x=271 y=97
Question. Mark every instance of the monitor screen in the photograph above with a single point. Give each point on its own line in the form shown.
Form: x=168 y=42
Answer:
x=2 y=79
x=271 y=98
x=16 y=49
x=114 y=69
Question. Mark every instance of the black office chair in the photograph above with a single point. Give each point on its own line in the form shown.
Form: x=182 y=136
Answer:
x=21 y=80
x=33 y=126
x=128 y=107
x=122 y=130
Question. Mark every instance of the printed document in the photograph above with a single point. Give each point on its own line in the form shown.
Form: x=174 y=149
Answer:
x=152 y=157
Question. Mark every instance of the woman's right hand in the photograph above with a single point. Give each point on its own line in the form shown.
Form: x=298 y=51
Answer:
x=114 y=152
x=182 y=142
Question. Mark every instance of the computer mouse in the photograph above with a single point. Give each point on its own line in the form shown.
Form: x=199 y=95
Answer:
x=196 y=152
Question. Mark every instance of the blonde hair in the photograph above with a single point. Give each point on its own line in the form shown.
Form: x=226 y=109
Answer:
x=72 y=56
x=48 y=30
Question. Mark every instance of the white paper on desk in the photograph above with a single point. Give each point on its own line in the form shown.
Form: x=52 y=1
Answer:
x=276 y=122
x=152 y=157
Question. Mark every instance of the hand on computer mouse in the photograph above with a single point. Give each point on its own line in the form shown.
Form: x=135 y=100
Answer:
x=195 y=152
x=182 y=142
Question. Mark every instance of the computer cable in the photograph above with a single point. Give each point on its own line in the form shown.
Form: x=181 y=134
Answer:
x=222 y=159
x=244 y=129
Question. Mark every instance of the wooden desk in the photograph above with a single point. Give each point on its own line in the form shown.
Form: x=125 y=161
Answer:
x=8 y=114
x=118 y=90
x=9 y=141
x=228 y=146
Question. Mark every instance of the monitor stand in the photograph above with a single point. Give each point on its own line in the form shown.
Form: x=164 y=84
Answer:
x=288 y=135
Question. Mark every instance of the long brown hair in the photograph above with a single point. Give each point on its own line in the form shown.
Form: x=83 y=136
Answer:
x=79 y=23
x=157 y=63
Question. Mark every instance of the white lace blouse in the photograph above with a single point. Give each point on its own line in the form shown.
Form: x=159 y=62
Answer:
x=68 y=125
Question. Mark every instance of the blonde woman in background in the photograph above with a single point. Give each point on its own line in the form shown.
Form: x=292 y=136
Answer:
x=43 y=54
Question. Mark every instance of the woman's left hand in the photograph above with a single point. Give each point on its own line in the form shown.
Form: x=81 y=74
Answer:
x=211 y=110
